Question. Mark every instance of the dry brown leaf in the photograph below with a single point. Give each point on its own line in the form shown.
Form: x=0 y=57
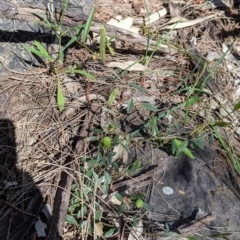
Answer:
x=126 y=24
x=98 y=228
x=126 y=65
x=156 y=16
x=180 y=25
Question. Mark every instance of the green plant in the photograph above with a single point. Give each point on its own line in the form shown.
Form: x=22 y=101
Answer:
x=179 y=146
x=105 y=43
x=56 y=61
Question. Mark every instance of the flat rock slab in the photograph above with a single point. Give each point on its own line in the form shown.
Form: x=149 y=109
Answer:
x=189 y=187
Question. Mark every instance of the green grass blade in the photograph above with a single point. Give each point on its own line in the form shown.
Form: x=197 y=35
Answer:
x=130 y=106
x=188 y=153
x=74 y=39
x=84 y=73
x=37 y=52
x=236 y=107
x=137 y=87
x=103 y=43
x=149 y=106
x=60 y=96
x=41 y=49
x=113 y=96
x=88 y=25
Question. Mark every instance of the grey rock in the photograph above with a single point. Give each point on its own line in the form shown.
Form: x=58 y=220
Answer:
x=187 y=187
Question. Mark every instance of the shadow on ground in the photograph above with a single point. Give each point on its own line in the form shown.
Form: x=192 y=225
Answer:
x=20 y=199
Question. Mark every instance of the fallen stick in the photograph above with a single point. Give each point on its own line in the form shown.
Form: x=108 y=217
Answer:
x=138 y=181
x=62 y=197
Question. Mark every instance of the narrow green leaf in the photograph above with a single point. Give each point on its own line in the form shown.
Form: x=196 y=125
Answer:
x=91 y=163
x=110 y=156
x=174 y=147
x=183 y=146
x=103 y=43
x=136 y=196
x=99 y=157
x=168 y=234
x=150 y=107
x=134 y=85
x=130 y=106
x=111 y=50
x=167 y=227
x=134 y=220
x=192 y=100
x=108 y=178
x=222 y=124
x=64 y=7
x=70 y=219
x=96 y=130
x=82 y=72
x=88 y=25
x=122 y=208
x=118 y=197
x=177 y=142
x=110 y=232
x=135 y=166
x=154 y=127
x=95 y=175
x=82 y=212
x=79 y=28
x=236 y=107
x=192 y=238
x=125 y=146
x=91 y=139
x=115 y=166
x=41 y=49
x=60 y=97
x=188 y=153
x=113 y=96
x=98 y=214
x=198 y=143
x=37 y=52
x=147 y=207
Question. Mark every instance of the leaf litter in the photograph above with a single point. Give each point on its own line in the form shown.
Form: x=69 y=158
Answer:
x=155 y=85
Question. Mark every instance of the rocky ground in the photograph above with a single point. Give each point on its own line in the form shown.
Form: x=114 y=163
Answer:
x=187 y=90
